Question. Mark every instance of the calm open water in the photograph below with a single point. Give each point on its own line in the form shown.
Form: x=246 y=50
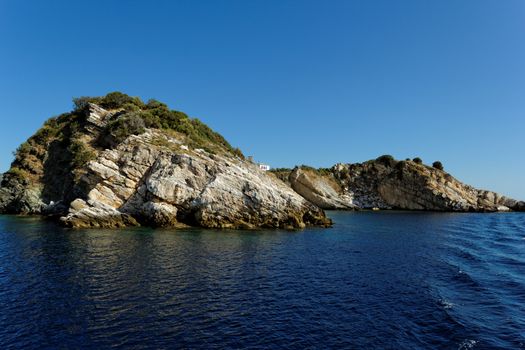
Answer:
x=388 y=280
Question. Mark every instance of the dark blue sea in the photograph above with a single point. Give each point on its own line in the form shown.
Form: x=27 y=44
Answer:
x=376 y=280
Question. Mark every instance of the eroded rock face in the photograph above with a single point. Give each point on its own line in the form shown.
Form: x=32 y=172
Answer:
x=322 y=191
x=401 y=185
x=17 y=198
x=139 y=182
x=153 y=179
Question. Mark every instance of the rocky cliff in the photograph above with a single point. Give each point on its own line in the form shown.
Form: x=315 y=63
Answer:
x=385 y=183
x=117 y=162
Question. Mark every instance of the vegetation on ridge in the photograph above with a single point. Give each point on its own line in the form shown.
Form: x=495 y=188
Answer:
x=343 y=174
x=134 y=116
x=64 y=144
x=437 y=164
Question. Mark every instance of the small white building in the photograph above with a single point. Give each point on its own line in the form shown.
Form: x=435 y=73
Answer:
x=264 y=167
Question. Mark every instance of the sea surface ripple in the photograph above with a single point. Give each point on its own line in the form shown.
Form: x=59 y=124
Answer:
x=376 y=280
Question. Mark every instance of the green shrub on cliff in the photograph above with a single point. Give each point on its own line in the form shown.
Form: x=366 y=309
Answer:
x=279 y=170
x=125 y=126
x=152 y=103
x=307 y=167
x=157 y=115
x=386 y=160
x=401 y=164
x=80 y=154
x=113 y=100
x=23 y=149
x=417 y=160
x=438 y=165
x=131 y=107
x=150 y=120
x=324 y=171
x=48 y=131
x=281 y=173
x=19 y=174
x=237 y=152
x=81 y=102
x=319 y=171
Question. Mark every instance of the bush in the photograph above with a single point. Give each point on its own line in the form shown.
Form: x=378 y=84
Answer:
x=278 y=170
x=386 y=160
x=115 y=100
x=150 y=120
x=23 y=149
x=81 y=102
x=18 y=173
x=152 y=103
x=401 y=165
x=44 y=134
x=237 y=152
x=324 y=171
x=130 y=107
x=306 y=167
x=80 y=154
x=126 y=125
x=417 y=160
x=438 y=165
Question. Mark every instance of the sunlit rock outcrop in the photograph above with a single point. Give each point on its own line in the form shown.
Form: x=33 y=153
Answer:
x=142 y=164
x=385 y=183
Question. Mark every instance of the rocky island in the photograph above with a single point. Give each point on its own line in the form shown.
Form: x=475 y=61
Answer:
x=115 y=161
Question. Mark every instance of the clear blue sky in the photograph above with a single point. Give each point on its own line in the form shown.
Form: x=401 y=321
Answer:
x=289 y=82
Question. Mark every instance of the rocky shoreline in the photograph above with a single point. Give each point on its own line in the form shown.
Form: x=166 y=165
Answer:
x=116 y=162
